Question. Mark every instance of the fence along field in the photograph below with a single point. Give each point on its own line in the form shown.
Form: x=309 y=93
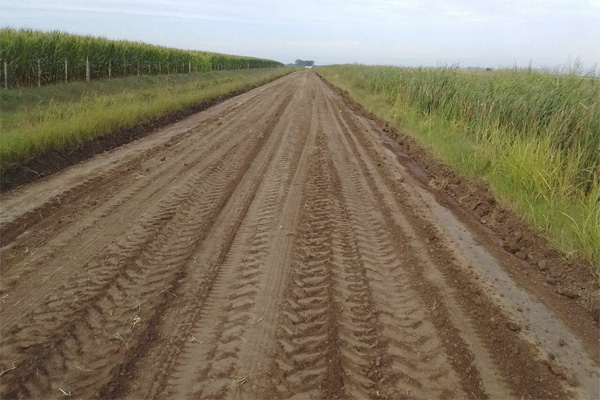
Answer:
x=31 y=58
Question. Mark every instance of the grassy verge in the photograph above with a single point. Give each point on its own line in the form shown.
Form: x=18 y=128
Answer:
x=58 y=117
x=534 y=137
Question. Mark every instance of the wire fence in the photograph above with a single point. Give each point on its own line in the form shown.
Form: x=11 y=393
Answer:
x=36 y=73
x=34 y=58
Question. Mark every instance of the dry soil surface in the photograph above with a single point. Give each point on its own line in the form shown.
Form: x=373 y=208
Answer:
x=277 y=245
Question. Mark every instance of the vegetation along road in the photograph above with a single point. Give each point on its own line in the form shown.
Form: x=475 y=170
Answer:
x=277 y=245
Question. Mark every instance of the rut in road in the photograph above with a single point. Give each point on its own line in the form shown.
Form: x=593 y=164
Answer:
x=272 y=246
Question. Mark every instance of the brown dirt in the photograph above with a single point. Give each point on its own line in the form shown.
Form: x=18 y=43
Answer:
x=279 y=245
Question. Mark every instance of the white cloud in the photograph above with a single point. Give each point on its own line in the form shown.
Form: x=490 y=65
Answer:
x=378 y=31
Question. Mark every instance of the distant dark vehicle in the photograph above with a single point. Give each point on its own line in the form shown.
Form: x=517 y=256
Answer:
x=305 y=63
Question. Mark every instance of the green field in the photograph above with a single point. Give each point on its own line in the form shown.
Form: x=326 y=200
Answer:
x=35 y=121
x=129 y=83
x=39 y=58
x=533 y=136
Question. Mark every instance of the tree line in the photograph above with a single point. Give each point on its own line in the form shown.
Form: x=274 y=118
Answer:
x=305 y=63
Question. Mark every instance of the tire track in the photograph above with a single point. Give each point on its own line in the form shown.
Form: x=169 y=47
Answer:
x=350 y=327
x=308 y=352
x=242 y=298
x=478 y=371
x=67 y=281
x=198 y=298
x=120 y=193
x=161 y=262
x=366 y=370
x=469 y=359
x=237 y=296
x=104 y=312
x=98 y=273
x=416 y=360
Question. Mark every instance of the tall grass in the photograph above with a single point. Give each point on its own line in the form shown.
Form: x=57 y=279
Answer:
x=22 y=50
x=38 y=121
x=534 y=136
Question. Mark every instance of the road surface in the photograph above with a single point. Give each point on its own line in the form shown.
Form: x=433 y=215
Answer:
x=277 y=245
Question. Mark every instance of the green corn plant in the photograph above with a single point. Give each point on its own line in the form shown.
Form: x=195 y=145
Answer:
x=21 y=49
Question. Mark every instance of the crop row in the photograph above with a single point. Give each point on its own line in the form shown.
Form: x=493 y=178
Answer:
x=32 y=58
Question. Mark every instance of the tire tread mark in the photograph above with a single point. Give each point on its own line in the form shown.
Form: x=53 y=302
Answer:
x=238 y=311
x=194 y=299
x=11 y=230
x=308 y=349
x=416 y=357
x=471 y=381
x=19 y=264
x=141 y=230
x=204 y=193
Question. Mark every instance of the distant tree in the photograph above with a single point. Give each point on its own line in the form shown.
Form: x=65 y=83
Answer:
x=305 y=63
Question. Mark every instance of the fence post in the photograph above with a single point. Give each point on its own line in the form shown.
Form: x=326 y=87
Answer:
x=39 y=65
x=5 y=75
x=87 y=69
x=138 y=68
x=109 y=69
x=66 y=73
x=189 y=67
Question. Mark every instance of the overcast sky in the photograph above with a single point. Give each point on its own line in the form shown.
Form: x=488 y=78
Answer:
x=478 y=33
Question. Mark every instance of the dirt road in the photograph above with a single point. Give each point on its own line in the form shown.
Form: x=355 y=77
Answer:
x=277 y=245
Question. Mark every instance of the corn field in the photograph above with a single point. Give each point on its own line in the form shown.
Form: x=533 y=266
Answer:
x=31 y=58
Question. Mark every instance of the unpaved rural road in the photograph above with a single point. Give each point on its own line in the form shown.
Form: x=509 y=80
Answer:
x=277 y=245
